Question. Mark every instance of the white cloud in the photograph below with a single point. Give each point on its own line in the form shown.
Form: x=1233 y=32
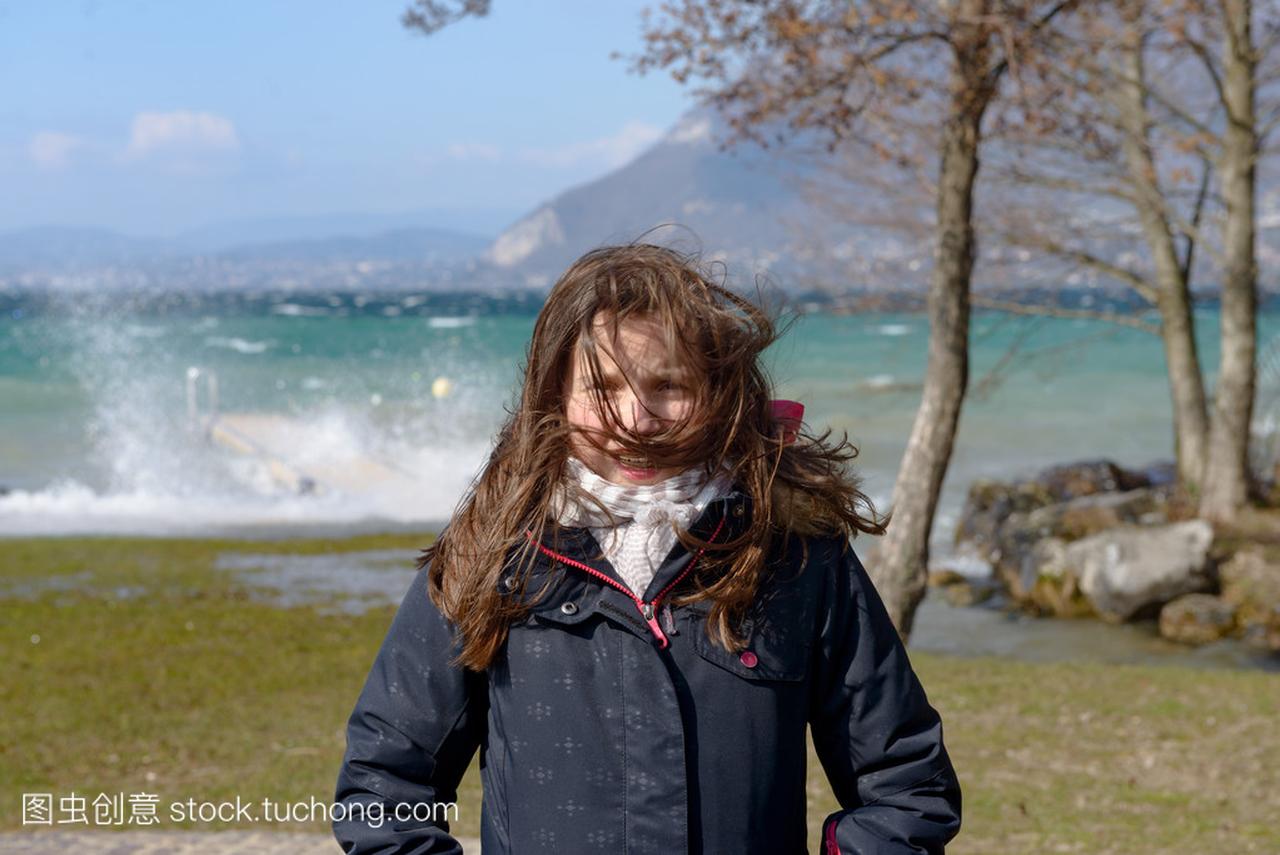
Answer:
x=692 y=130
x=609 y=151
x=52 y=149
x=181 y=131
x=473 y=151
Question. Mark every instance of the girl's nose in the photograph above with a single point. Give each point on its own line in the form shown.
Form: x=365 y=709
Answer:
x=642 y=420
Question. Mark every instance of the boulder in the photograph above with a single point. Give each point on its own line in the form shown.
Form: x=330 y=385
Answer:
x=1197 y=619
x=1084 y=478
x=970 y=592
x=961 y=590
x=1250 y=582
x=1265 y=635
x=990 y=503
x=1015 y=560
x=1048 y=584
x=943 y=577
x=1087 y=515
x=1127 y=572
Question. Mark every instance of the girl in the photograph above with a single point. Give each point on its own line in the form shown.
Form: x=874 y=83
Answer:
x=645 y=598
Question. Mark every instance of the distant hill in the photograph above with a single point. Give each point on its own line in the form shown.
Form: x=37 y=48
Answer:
x=399 y=245
x=744 y=205
x=60 y=248
x=56 y=246
x=755 y=209
x=314 y=227
x=758 y=210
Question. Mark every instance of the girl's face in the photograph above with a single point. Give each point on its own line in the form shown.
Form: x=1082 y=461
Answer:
x=659 y=391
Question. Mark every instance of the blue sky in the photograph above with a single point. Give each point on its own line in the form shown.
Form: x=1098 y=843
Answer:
x=154 y=117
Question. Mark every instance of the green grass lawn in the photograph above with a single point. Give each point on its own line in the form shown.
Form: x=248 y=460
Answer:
x=148 y=670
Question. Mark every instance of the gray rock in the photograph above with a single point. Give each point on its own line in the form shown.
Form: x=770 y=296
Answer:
x=1126 y=572
x=990 y=503
x=1197 y=619
x=1251 y=583
x=1049 y=583
x=1086 y=515
x=962 y=590
x=970 y=592
x=1084 y=478
x=1018 y=559
x=986 y=507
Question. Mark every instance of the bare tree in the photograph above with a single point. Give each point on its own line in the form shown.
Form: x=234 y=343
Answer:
x=1235 y=78
x=1104 y=188
x=872 y=73
x=429 y=16
x=1163 y=124
x=869 y=72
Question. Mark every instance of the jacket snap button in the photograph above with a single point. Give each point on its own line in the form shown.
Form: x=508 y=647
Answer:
x=509 y=582
x=748 y=658
x=739 y=510
x=569 y=608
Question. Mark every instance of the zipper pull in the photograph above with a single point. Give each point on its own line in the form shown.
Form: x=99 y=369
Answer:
x=669 y=620
x=646 y=610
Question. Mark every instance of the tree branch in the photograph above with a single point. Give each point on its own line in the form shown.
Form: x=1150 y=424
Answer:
x=430 y=16
x=1197 y=211
x=1059 y=312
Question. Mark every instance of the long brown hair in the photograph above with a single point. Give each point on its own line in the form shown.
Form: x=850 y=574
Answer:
x=804 y=487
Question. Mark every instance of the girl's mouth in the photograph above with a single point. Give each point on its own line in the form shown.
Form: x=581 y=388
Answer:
x=636 y=468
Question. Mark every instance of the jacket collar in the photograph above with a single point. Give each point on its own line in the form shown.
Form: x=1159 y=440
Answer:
x=725 y=517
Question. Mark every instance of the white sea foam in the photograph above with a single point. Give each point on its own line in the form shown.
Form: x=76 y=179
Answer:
x=239 y=345
x=143 y=331
x=879 y=381
x=299 y=310
x=892 y=329
x=148 y=470
x=252 y=498
x=444 y=322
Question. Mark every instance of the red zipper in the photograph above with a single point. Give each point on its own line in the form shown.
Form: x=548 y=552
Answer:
x=832 y=847
x=649 y=610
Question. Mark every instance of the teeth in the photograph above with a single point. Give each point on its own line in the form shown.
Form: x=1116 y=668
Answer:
x=634 y=462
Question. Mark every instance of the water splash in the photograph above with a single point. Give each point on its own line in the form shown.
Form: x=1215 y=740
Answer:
x=346 y=421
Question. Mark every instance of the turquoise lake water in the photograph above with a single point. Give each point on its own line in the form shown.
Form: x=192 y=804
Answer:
x=95 y=434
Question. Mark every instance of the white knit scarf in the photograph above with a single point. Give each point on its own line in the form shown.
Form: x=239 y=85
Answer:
x=646 y=515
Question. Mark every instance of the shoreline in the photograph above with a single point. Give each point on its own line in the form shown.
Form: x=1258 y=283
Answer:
x=356 y=572
x=162 y=666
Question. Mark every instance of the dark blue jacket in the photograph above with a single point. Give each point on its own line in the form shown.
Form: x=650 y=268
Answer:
x=613 y=724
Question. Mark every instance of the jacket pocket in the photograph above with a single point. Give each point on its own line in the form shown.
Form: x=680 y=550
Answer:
x=773 y=652
x=552 y=596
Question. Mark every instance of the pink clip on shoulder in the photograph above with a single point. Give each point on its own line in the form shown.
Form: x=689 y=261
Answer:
x=789 y=414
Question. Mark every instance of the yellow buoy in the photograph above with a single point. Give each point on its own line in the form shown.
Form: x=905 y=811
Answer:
x=441 y=387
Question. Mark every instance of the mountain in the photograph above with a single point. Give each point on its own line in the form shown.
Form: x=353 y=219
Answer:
x=56 y=246
x=398 y=245
x=76 y=249
x=782 y=214
x=313 y=227
x=814 y=225
x=744 y=205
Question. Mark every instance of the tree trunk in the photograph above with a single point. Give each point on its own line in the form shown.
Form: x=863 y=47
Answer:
x=1173 y=295
x=900 y=568
x=1226 y=480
